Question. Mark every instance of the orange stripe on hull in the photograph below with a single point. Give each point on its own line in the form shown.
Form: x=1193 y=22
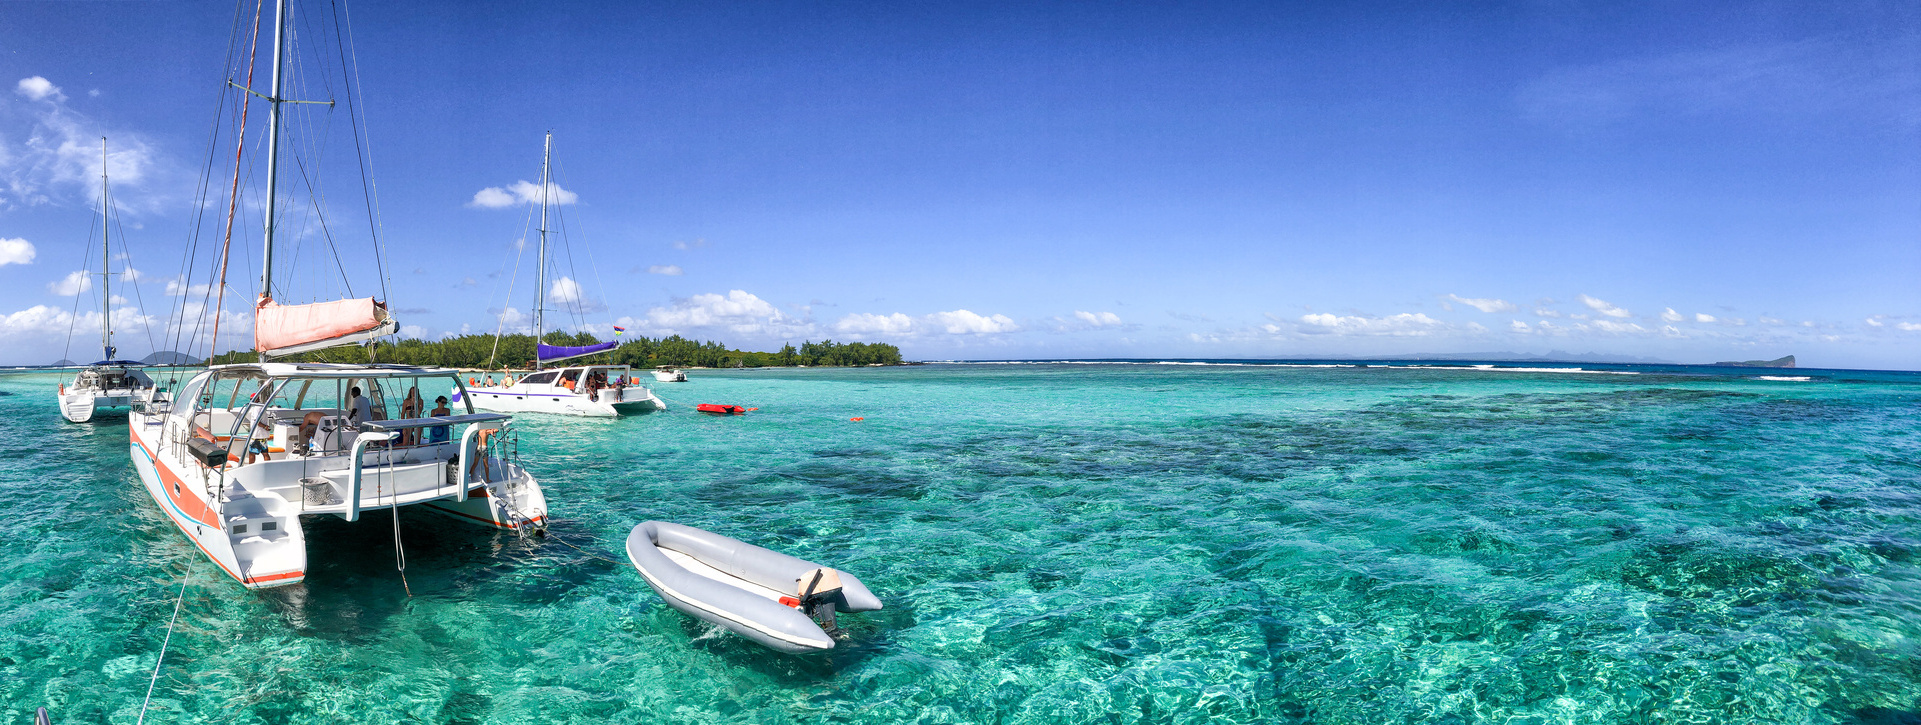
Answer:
x=167 y=479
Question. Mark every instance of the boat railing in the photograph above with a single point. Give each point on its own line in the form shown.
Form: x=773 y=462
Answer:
x=386 y=430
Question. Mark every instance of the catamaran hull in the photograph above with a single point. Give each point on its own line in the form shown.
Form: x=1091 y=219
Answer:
x=506 y=400
x=201 y=525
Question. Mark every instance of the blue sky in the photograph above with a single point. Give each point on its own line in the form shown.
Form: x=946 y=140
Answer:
x=1691 y=182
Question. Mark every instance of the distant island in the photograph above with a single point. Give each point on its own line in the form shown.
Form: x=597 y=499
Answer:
x=1554 y=356
x=170 y=357
x=1782 y=362
x=517 y=352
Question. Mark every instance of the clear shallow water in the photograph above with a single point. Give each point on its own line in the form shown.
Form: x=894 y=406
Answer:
x=1057 y=543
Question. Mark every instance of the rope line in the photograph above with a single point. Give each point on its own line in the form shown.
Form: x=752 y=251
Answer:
x=162 y=659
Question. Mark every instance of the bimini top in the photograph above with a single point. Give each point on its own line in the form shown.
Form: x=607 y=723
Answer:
x=336 y=370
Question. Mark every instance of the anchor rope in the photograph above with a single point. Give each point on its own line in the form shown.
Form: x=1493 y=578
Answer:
x=155 y=679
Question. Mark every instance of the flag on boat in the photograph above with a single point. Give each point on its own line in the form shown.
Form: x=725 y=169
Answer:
x=618 y=329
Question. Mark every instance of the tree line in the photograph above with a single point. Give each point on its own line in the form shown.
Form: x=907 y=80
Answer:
x=517 y=352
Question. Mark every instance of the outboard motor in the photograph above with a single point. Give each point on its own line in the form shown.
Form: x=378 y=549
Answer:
x=819 y=590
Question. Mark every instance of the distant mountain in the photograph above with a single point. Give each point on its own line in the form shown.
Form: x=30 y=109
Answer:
x=1784 y=362
x=64 y=363
x=1551 y=356
x=170 y=358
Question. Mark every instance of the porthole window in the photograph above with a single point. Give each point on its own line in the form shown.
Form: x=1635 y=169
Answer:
x=240 y=528
x=270 y=526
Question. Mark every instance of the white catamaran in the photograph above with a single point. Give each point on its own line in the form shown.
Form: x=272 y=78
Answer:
x=108 y=383
x=590 y=390
x=244 y=450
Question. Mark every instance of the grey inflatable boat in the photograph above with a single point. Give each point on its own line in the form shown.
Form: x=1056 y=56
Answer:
x=769 y=597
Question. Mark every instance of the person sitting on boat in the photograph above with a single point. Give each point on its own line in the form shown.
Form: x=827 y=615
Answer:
x=567 y=379
x=309 y=424
x=440 y=433
x=411 y=407
x=359 y=409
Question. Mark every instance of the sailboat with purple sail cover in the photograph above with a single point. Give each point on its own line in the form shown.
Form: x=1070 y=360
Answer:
x=590 y=390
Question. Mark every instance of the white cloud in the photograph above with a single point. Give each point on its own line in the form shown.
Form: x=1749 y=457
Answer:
x=520 y=192
x=1601 y=306
x=1907 y=326
x=74 y=283
x=1873 y=322
x=1098 y=319
x=60 y=154
x=1406 y=324
x=1618 y=328
x=564 y=291
x=1544 y=312
x=1703 y=317
x=16 y=251
x=685 y=245
x=415 y=332
x=1519 y=326
x=671 y=270
x=1483 y=304
x=738 y=311
x=39 y=89
x=1669 y=315
x=953 y=322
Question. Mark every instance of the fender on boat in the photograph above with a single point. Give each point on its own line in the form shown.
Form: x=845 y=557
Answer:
x=711 y=598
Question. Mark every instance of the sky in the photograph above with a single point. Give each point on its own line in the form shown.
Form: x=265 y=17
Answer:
x=1683 y=181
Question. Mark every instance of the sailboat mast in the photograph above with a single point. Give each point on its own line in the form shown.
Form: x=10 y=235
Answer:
x=106 y=269
x=540 y=281
x=273 y=149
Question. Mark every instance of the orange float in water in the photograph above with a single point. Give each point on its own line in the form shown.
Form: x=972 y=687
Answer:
x=721 y=409
x=857 y=420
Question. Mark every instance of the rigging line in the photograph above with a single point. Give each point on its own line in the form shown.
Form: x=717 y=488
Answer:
x=227 y=245
x=85 y=257
x=321 y=214
x=599 y=284
x=178 y=319
x=370 y=190
x=134 y=280
x=162 y=659
x=566 y=242
x=504 y=306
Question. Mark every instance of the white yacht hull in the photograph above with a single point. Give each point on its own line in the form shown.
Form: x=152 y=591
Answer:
x=670 y=376
x=561 y=401
x=253 y=532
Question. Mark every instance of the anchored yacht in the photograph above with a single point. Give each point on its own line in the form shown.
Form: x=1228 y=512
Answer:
x=667 y=374
x=244 y=450
x=108 y=383
x=591 y=390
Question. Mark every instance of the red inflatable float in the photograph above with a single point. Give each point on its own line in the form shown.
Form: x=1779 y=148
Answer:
x=721 y=409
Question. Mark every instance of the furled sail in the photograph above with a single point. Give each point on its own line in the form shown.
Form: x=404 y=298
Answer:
x=550 y=353
x=280 y=330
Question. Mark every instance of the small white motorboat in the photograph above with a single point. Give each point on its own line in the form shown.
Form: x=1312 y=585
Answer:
x=782 y=602
x=665 y=374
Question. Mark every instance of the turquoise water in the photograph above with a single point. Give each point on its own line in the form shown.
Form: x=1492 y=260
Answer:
x=1056 y=544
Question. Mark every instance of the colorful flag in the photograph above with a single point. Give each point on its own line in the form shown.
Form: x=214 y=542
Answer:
x=618 y=329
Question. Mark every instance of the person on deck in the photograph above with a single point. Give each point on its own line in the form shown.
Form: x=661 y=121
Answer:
x=359 y=409
x=440 y=433
x=411 y=407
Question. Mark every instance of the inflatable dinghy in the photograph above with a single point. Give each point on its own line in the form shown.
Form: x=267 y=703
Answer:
x=769 y=597
x=720 y=409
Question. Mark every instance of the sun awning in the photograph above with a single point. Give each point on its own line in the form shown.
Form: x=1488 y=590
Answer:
x=550 y=353
x=280 y=330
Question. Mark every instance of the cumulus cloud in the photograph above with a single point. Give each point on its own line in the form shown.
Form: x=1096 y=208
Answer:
x=39 y=89
x=953 y=322
x=1872 y=322
x=1703 y=317
x=1907 y=326
x=1519 y=326
x=1545 y=312
x=74 y=283
x=1482 y=304
x=16 y=251
x=1098 y=319
x=520 y=192
x=671 y=270
x=1406 y=324
x=414 y=332
x=1602 y=306
x=738 y=311
x=1669 y=315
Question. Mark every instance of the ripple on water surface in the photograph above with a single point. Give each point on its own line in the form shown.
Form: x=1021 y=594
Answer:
x=1057 y=543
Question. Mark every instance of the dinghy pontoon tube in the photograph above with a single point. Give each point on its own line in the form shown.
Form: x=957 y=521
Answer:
x=740 y=586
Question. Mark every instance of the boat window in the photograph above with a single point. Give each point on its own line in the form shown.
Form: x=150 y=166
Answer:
x=538 y=378
x=190 y=394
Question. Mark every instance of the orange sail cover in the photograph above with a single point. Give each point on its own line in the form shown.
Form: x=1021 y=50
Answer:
x=287 y=329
